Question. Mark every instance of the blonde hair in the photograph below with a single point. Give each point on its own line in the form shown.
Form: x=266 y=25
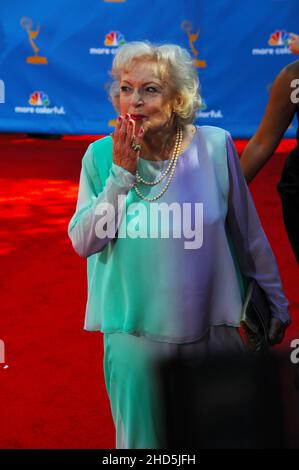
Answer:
x=180 y=68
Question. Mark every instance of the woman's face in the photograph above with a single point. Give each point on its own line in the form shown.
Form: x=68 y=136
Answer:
x=145 y=96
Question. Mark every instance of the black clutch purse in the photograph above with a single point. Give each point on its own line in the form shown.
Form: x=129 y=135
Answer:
x=255 y=318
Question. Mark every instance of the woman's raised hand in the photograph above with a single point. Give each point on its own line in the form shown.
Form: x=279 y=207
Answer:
x=123 y=138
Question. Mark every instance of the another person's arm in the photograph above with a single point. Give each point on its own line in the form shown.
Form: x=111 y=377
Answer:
x=294 y=43
x=278 y=115
x=253 y=249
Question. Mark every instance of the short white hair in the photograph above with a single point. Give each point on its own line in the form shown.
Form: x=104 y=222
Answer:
x=183 y=75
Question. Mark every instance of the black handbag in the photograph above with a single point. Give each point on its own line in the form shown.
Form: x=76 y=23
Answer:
x=255 y=313
x=255 y=318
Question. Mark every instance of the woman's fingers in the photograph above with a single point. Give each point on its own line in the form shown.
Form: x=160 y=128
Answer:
x=138 y=139
x=129 y=135
x=116 y=134
x=130 y=132
x=123 y=154
x=124 y=136
x=141 y=133
x=118 y=126
x=125 y=129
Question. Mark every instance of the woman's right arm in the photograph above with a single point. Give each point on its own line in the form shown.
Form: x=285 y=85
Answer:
x=95 y=199
x=278 y=115
x=100 y=206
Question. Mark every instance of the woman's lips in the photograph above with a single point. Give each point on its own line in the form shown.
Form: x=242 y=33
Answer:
x=137 y=117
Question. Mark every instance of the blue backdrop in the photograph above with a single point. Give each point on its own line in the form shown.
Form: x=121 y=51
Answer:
x=55 y=57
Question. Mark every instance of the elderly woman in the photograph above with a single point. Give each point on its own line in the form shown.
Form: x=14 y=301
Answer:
x=155 y=293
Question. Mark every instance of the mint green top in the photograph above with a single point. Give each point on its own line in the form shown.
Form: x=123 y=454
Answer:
x=158 y=287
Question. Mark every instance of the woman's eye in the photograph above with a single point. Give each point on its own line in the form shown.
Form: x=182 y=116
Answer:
x=151 y=89
x=124 y=88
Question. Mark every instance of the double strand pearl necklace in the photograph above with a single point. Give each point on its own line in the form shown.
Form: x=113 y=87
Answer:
x=170 y=168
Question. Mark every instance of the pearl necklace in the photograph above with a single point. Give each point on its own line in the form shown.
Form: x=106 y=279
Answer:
x=170 y=168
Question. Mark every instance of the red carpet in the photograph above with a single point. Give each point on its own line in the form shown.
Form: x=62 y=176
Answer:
x=52 y=392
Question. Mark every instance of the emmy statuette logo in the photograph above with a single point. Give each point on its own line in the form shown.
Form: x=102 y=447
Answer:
x=26 y=23
x=192 y=37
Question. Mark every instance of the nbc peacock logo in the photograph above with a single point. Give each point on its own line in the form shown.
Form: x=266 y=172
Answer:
x=114 y=38
x=279 y=38
x=39 y=98
x=278 y=42
x=39 y=104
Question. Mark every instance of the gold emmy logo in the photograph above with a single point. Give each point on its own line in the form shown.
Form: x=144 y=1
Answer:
x=26 y=23
x=192 y=37
x=112 y=122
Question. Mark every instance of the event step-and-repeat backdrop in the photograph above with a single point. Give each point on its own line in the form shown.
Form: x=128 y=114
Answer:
x=55 y=57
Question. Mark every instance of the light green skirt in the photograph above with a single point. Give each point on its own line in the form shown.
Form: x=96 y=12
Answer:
x=133 y=381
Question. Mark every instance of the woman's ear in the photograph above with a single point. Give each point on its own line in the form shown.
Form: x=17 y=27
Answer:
x=178 y=101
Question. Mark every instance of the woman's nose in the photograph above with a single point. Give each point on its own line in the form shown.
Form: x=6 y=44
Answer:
x=137 y=99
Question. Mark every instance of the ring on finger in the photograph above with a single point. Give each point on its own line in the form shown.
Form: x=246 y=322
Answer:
x=136 y=147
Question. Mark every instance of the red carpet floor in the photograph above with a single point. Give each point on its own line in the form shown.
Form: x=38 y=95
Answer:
x=52 y=394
